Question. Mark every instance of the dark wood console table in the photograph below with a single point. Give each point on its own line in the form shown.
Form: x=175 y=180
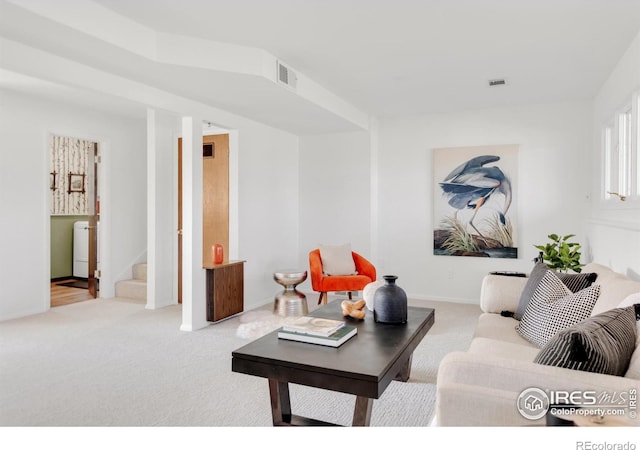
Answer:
x=225 y=290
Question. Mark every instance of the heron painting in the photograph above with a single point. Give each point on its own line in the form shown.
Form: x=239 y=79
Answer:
x=473 y=201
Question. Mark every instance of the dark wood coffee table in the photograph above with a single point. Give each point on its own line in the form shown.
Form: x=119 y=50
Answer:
x=363 y=366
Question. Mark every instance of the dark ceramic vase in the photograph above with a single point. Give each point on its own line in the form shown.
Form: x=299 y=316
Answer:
x=390 y=302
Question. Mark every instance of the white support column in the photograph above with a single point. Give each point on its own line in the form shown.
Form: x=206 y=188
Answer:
x=151 y=208
x=194 y=315
x=160 y=211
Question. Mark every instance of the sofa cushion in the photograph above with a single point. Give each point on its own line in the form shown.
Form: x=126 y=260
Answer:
x=553 y=307
x=498 y=328
x=613 y=291
x=634 y=365
x=614 y=287
x=337 y=259
x=602 y=344
x=574 y=281
x=524 y=351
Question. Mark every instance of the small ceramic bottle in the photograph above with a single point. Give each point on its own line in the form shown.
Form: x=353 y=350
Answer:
x=217 y=253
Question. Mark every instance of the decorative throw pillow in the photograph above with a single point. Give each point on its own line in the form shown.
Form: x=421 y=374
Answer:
x=577 y=281
x=602 y=344
x=337 y=259
x=553 y=307
x=634 y=365
x=529 y=288
x=574 y=281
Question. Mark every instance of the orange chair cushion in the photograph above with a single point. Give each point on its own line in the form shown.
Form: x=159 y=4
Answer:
x=344 y=283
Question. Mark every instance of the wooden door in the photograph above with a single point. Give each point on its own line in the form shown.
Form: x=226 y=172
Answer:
x=215 y=214
x=215 y=198
x=92 y=202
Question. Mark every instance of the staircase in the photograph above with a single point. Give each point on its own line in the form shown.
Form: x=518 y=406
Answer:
x=136 y=288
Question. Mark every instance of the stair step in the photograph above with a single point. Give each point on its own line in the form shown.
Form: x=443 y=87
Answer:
x=140 y=271
x=135 y=289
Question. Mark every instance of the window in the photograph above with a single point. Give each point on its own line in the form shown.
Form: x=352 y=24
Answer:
x=610 y=160
x=635 y=160
x=621 y=179
x=624 y=128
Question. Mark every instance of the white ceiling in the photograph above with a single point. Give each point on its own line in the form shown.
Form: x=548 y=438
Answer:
x=394 y=58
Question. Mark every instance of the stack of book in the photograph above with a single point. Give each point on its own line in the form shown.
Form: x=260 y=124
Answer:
x=315 y=330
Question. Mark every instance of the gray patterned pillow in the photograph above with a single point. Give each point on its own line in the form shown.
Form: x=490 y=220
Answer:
x=577 y=281
x=602 y=344
x=574 y=281
x=529 y=288
x=553 y=307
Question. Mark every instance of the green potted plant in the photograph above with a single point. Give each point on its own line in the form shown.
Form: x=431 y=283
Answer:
x=560 y=254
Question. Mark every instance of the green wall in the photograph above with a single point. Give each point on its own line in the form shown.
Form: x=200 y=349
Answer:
x=62 y=245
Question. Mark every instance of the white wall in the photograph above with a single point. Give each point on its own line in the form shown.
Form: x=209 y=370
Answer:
x=268 y=207
x=551 y=190
x=335 y=192
x=614 y=227
x=25 y=123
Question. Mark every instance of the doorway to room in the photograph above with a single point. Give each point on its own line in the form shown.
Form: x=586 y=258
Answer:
x=74 y=219
x=215 y=207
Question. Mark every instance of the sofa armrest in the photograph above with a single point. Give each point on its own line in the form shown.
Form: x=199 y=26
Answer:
x=501 y=293
x=464 y=405
x=493 y=385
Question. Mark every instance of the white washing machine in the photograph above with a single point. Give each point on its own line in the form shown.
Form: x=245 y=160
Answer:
x=81 y=248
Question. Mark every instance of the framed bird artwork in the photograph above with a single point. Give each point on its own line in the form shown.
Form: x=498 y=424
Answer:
x=474 y=206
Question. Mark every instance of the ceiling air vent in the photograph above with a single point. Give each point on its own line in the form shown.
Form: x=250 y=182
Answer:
x=286 y=76
x=499 y=82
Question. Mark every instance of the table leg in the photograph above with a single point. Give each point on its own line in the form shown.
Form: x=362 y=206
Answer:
x=280 y=402
x=405 y=372
x=362 y=411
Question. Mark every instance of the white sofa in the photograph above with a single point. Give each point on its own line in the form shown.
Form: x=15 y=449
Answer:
x=480 y=387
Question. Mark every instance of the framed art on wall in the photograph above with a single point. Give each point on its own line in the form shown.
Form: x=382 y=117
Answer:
x=474 y=208
x=76 y=182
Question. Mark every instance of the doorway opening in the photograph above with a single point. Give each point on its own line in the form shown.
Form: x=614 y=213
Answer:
x=215 y=207
x=74 y=219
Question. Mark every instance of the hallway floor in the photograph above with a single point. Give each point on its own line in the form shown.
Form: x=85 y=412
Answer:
x=63 y=295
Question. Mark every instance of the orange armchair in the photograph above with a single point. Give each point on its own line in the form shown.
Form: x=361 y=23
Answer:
x=320 y=282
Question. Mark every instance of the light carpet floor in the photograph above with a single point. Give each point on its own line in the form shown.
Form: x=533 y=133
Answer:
x=114 y=363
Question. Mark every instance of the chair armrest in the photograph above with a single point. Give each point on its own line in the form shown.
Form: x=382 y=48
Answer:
x=364 y=267
x=501 y=293
x=315 y=269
